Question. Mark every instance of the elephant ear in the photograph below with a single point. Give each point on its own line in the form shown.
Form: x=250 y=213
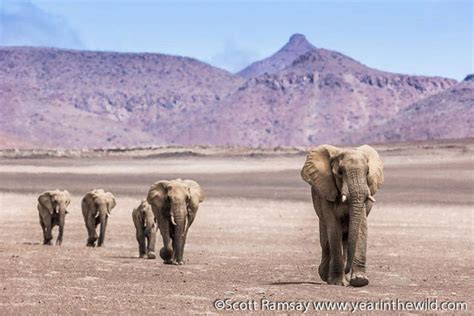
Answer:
x=157 y=194
x=196 y=193
x=45 y=200
x=67 y=197
x=317 y=171
x=375 y=177
x=88 y=203
x=110 y=201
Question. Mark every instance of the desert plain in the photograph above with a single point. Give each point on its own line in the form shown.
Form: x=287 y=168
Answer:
x=255 y=235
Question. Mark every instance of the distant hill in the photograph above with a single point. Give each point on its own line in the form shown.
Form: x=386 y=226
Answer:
x=322 y=97
x=446 y=115
x=305 y=96
x=92 y=99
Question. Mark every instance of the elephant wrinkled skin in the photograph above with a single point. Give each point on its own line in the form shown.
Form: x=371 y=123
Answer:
x=343 y=183
x=96 y=209
x=175 y=204
x=52 y=212
x=145 y=224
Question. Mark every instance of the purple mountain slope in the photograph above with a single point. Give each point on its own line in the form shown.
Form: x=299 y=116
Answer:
x=82 y=99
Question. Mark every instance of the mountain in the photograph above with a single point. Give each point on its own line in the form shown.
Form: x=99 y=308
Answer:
x=322 y=97
x=296 y=46
x=71 y=98
x=81 y=99
x=445 y=115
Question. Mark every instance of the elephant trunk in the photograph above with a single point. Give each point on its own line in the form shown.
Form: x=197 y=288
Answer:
x=179 y=213
x=358 y=195
x=149 y=224
x=103 y=225
x=62 y=221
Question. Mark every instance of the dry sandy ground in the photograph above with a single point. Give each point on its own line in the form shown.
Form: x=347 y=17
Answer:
x=255 y=236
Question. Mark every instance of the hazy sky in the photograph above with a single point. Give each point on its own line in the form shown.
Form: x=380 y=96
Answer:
x=415 y=37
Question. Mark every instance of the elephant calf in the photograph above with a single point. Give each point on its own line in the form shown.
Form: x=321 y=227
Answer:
x=343 y=183
x=145 y=224
x=97 y=206
x=52 y=212
x=175 y=204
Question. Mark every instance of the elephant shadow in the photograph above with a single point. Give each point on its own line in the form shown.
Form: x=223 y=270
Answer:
x=296 y=283
x=125 y=257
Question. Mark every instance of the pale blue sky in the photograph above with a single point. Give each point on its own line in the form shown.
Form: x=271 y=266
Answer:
x=414 y=37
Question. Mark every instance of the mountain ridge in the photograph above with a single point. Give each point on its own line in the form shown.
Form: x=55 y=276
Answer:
x=60 y=98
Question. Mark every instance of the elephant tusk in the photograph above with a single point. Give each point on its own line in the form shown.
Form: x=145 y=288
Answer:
x=371 y=198
x=172 y=220
x=344 y=198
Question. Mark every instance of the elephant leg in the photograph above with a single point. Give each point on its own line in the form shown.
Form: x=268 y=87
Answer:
x=345 y=238
x=45 y=234
x=344 y=254
x=358 y=276
x=325 y=253
x=166 y=252
x=176 y=246
x=141 y=244
x=47 y=230
x=91 y=231
x=151 y=245
x=336 y=263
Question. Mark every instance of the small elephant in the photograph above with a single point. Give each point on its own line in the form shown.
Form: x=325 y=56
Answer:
x=175 y=204
x=52 y=211
x=96 y=208
x=145 y=224
x=343 y=183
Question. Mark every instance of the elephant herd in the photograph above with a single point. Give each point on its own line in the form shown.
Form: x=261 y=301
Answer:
x=170 y=206
x=343 y=183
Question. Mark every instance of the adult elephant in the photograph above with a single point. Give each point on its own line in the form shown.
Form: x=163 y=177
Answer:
x=52 y=208
x=97 y=206
x=343 y=183
x=175 y=204
x=145 y=225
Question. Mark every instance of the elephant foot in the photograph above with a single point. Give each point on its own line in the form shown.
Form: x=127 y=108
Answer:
x=151 y=255
x=90 y=244
x=359 y=279
x=59 y=242
x=142 y=256
x=166 y=254
x=167 y=262
x=47 y=242
x=338 y=281
x=323 y=272
x=178 y=263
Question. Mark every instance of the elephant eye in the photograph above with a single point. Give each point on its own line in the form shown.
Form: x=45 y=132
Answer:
x=340 y=171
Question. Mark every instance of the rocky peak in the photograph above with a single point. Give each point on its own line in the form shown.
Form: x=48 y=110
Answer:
x=469 y=77
x=299 y=41
x=295 y=47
